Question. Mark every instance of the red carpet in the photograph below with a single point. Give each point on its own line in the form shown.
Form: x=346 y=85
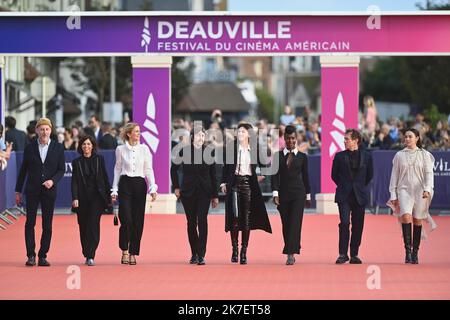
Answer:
x=162 y=271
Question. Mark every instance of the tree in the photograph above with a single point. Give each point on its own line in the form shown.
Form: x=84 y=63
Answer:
x=431 y=5
x=422 y=81
x=180 y=80
x=266 y=104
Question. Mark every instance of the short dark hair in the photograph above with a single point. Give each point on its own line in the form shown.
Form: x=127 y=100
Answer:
x=246 y=126
x=290 y=129
x=10 y=122
x=83 y=139
x=196 y=130
x=354 y=134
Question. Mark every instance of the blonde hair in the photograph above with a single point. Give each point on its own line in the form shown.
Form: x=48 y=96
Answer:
x=127 y=129
x=369 y=101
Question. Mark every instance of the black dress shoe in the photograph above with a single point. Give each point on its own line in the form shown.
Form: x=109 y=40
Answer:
x=31 y=261
x=355 y=260
x=201 y=261
x=194 y=259
x=43 y=262
x=290 y=260
x=343 y=258
x=243 y=259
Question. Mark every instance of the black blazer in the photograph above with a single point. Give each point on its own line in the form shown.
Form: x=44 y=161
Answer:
x=18 y=138
x=341 y=175
x=79 y=183
x=196 y=177
x=107 y=142
x=37 y=172
x=292 y=183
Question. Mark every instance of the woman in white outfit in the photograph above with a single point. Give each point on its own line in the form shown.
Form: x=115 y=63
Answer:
x=133 y=167
x=411 y=190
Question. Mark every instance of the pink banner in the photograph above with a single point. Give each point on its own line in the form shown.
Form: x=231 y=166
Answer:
x=151 y=110
x=340 y=88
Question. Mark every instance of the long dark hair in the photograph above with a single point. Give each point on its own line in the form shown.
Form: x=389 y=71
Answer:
x=417 y=134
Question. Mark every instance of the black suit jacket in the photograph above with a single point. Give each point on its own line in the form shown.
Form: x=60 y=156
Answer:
x=37 y=172
x=107 y=142
x=17 y=137
x=79 y=183
x=292 y=183
x=341 y=175
x=199 y=177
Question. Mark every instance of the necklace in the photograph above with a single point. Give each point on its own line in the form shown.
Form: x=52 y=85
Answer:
x=411 y=157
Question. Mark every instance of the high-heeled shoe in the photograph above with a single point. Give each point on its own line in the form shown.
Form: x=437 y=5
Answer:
x=125 y=258
x=132 y=260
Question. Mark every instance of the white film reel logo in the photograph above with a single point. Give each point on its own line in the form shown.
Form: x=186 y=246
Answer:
x=145 y=35
x=339 y=127
x=151 y=134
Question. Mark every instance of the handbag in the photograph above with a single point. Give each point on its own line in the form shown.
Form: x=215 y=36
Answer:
x=116 y=219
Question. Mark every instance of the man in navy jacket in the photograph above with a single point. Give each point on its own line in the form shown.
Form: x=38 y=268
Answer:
x=352 y=171
x=43 y=165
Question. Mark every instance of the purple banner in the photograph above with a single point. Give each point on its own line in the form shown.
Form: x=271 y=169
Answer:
x=1 y=98
x=151 y=110
x=382 y=161
x=224 y=34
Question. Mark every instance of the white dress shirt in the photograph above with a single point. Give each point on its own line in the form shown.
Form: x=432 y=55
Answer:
x=243 y=166
x=133 y=161
x=43 y=149
x=285 y=152
x=97 y=133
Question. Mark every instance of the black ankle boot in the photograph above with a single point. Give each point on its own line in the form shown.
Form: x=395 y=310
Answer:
x=417 y=234
x=234 y=255
x=406 y=228
x=245 y=239
x=243 y=254
x=234 y=233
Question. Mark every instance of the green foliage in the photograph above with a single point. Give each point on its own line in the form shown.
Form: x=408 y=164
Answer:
x=422 y=81
x=432 y=113
x=180 y=80
x=266 y=103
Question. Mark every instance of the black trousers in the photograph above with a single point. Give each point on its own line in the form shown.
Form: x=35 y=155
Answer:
x=291 y=213
x=196 y=207
x=89 y=216
x=47 y=202
x=242 y=203
x=132 y=197
x=350 y=208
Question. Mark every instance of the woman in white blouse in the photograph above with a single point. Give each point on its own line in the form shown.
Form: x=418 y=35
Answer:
x=133 y=165
x=411 y=190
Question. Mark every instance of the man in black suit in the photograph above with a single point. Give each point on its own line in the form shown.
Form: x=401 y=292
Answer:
x=43 y=165
x=352 y=171
x=291 y=191
x=94 y=125
x=107 y=141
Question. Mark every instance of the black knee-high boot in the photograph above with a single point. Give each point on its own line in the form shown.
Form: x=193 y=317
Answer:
x=406 y=227
x=417 y=234
x=234 y=241
x=245 y=238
